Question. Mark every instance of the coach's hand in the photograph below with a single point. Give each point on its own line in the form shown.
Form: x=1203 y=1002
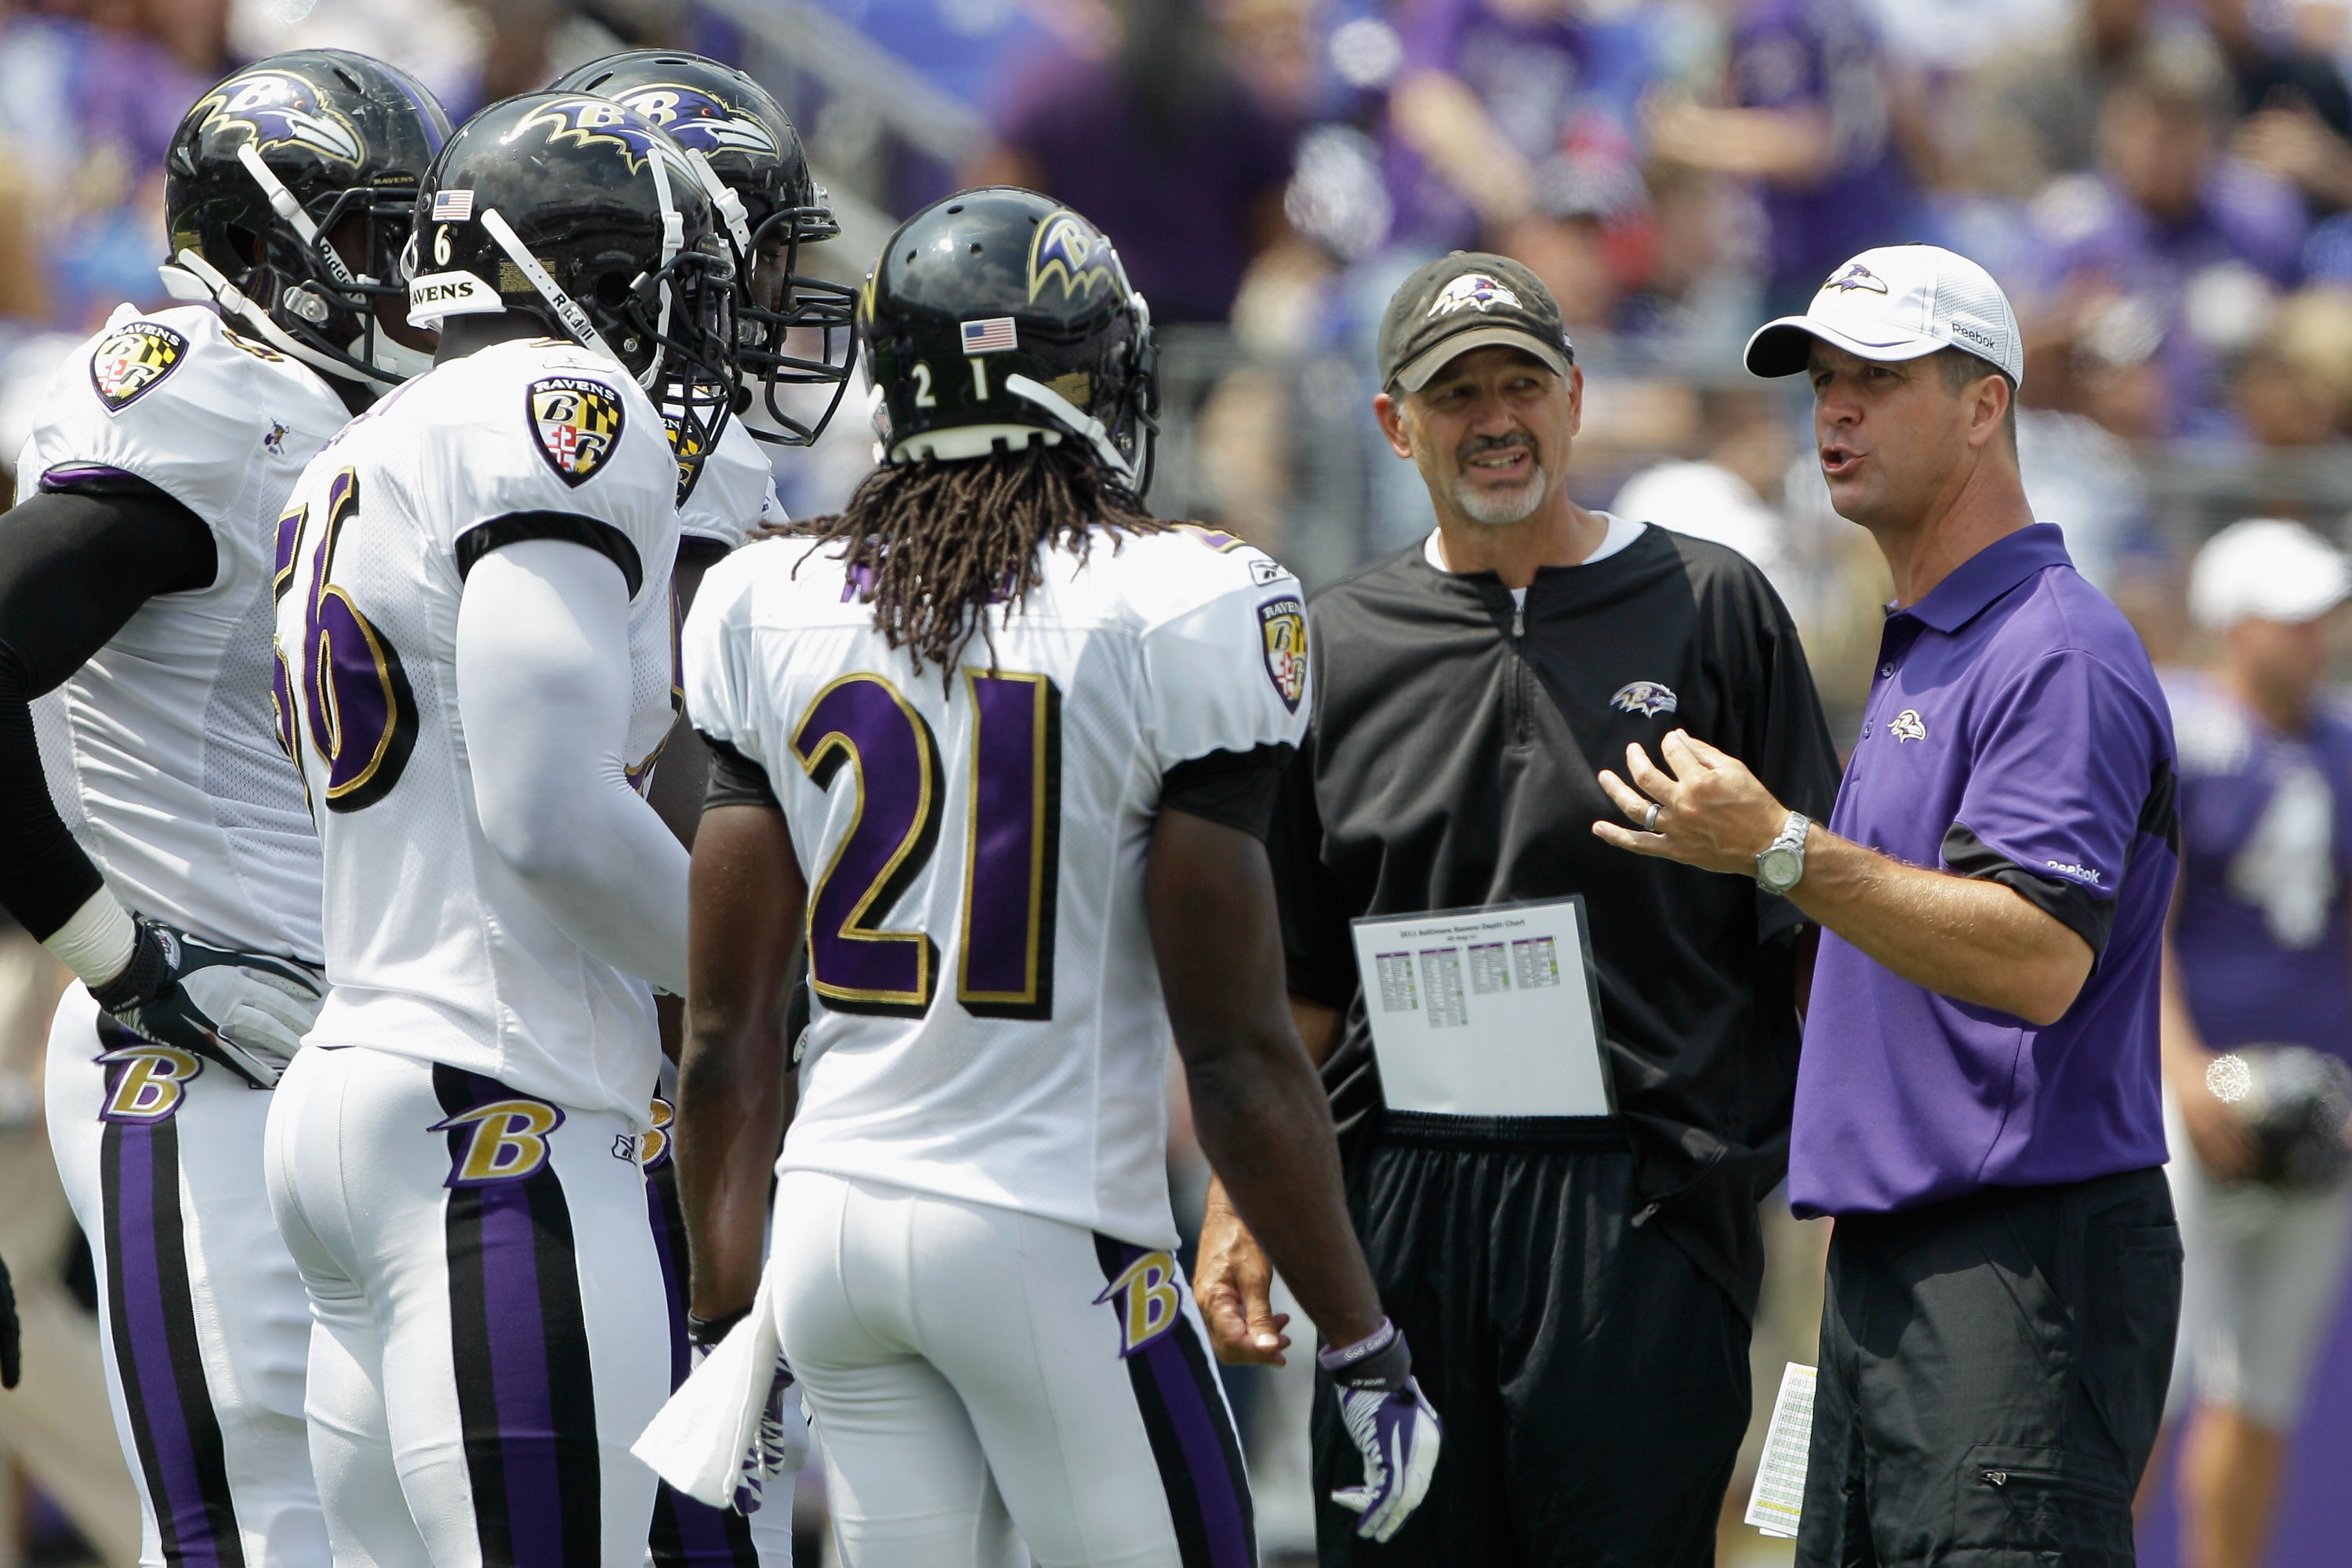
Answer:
x=1711 y=812
x=1234 y=1284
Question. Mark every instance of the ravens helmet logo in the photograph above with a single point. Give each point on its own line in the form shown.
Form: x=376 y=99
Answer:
x=1069 y=247
x=599 y=121
x=695 y=119
x=280 y=108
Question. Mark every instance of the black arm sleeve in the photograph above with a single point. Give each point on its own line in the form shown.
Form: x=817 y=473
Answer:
x=74 y=565
x=736 y=779
x=1234 y=789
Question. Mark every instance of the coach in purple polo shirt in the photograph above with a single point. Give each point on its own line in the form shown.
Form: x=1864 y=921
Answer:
x=1977 y=1101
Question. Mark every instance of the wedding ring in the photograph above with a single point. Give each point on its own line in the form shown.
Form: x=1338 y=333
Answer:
x=1650 y=821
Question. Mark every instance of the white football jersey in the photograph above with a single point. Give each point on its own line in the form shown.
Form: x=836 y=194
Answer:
x=434 y=949
x=734 y=493
x=162 y=750
x=988 y=1021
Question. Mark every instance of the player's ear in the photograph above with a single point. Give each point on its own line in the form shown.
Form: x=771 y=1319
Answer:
x=1389 y=410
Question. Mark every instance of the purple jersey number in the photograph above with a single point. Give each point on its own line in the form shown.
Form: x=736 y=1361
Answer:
x=356 y=704
x=1011 y=864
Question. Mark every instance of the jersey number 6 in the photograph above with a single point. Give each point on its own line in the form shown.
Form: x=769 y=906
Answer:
x=1005 y=967
x=355 y=699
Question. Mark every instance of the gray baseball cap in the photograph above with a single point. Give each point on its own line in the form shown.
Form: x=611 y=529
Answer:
x=1469 y=299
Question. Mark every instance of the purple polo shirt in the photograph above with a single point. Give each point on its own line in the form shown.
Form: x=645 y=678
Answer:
x=2016 y=733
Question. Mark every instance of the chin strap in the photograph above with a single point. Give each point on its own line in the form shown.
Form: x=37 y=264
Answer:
x=191 y=277
x=723 y=197
x=1078 y=422
x=567 y=310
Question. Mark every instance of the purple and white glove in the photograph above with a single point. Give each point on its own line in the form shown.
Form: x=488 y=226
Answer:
x=1393 y=1427
x=780 y=1444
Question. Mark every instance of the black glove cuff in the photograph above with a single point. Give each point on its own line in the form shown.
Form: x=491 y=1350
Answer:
x=704 y=1333
x=1379 y=1361
x=147 y=976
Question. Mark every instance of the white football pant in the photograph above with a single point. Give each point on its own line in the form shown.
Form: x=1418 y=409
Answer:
x=983 y=1380
x=202 y=1319
x=492 y=1331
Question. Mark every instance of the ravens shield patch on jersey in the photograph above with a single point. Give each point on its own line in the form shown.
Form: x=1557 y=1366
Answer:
x=686 y=448
x=132 y=359
x=577 y=420
x=1282 y=624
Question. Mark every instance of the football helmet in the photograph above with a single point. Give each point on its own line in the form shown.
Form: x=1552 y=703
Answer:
x=272 y=162
x=770 y=206
x=584 y=215
x=1000 y=315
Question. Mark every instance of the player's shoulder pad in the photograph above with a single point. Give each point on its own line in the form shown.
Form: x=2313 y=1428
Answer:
x=184 y=402
x=732 y=495
x=1167 y=575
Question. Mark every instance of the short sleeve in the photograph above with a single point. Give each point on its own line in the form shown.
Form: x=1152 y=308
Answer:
x=712 y=648
x=1229 y=674
x=2067 y=767
x=1319 y=956
x=733 y=495
x=178 y=401
x=555 y=448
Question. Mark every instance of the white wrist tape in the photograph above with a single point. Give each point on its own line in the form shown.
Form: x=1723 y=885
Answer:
x=97 y=942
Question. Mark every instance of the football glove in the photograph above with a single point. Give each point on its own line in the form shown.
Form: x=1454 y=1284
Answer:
x=780 y=1443
x=247 y=1010
x=1392 y=1425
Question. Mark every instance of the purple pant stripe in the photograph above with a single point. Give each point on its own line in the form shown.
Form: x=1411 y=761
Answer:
x=517 y=1345
x=1197 y=1424
x=145 y=1344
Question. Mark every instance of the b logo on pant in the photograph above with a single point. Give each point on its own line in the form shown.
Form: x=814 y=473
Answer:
x=152 y=1082
x=509 y=1141
x=1151 y=1303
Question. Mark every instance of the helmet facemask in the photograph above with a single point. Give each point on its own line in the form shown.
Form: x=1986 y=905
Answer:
x=801 y=301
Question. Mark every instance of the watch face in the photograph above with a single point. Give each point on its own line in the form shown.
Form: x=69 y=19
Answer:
x=1778 y=869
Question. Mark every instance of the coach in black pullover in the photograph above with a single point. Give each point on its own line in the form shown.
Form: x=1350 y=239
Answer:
x=1576 y=1289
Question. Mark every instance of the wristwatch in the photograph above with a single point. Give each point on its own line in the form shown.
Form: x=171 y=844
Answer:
x=1782 y=863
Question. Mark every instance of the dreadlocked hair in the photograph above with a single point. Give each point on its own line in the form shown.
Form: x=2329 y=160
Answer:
x=933 y=545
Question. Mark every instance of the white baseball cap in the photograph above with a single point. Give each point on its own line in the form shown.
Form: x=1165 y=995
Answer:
x=1897 y=302
x=2264 y=569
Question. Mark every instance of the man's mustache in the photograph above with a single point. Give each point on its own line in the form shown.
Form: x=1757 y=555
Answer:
x=1479 y=445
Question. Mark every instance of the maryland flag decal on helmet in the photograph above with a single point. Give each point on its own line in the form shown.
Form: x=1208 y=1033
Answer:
x=577 y=420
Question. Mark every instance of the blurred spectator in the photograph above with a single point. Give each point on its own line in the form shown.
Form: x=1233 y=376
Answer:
x=2036 y=107
x=2295 y=388
x=1813 y=123
x=88 y=105
x=1511 y=129
x=1163 y=147
x=2171 y=253
x=439 y=42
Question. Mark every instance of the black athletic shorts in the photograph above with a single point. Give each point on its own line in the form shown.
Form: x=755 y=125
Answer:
x=1593 y=1384
x=1992 y=1372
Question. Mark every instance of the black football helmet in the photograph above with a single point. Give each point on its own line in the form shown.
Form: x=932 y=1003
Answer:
x=997 y=314
x=586 y=216
x=771 y=207
x=268 y=164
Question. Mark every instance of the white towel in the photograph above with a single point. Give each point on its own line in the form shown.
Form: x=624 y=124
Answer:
x=708 y=1441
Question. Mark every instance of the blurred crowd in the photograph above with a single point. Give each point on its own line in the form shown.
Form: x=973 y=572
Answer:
x=2164 y=186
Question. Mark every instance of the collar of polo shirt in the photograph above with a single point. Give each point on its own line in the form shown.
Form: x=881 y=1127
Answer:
x=1988 y=573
